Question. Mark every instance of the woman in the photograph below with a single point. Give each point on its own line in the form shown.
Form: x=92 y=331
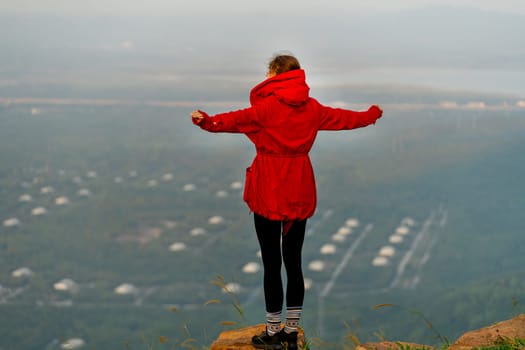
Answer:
x=282 y=122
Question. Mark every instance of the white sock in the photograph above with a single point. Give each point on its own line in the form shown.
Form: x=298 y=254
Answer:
x=293 y=315
x=273 y=322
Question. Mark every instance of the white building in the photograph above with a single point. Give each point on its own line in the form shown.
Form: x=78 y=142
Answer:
x=338 y=237
x=47 y=189
x=73 y=343
x=216 y=220
x=402 y=230
x=168 y=224
x=344 y=231
x=77 y=180
x=167 y=177
x=316 y=265
x=60 y=201
x=395 y=239
x=118 y=180
x=408 y=222
x=352 y=223
x=380 y=261
x=236 y=185
x=84 y=192
x=22 y=272
x=387 y=251
x=251 y=268
x=126 y=289
x=308 y=283
x=66 y=285
x=189 y=187
x=38 y=211
x=221 y=194
x=328 y=249
x=178 y=247
x=197 y=231
x=25 y=198
x=232 y=287
x=11 y=222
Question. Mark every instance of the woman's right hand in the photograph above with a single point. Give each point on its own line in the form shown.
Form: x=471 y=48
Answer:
x=196 y=117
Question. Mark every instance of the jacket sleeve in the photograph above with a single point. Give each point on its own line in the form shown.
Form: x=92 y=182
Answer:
x=240 y=121
x=344 y=119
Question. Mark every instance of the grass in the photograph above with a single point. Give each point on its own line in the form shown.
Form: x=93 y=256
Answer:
x=163 y=342
x=504 y=343
x=444 y=340
x=221 y=283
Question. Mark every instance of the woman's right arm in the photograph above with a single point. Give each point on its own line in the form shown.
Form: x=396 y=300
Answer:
x=240 y=121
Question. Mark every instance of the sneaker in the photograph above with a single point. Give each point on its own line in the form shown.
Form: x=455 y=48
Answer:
x=288 y=340
x=269 y=342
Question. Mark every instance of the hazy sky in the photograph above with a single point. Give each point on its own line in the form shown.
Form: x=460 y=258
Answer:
x=194 y=7
x=410 y=42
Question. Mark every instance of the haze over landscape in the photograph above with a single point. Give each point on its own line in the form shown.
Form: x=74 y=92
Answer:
x=116 y=212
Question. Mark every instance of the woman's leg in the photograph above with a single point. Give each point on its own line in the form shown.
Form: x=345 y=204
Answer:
x=269 y=236
x=292 y=250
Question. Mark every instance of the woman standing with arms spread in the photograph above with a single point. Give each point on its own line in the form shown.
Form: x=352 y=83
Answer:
x=282 y=122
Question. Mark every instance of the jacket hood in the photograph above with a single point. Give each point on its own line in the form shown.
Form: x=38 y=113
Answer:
x=289 y=87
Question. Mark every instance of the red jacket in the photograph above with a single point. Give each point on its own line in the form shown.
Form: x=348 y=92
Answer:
x=283 y=122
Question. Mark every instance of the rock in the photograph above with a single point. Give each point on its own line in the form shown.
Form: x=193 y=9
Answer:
x=241 y=339
x=492 y=335
x=389 y=345
x=497 y=334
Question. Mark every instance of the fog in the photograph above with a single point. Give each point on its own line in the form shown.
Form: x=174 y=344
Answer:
x=465 y=49
x=238 y=7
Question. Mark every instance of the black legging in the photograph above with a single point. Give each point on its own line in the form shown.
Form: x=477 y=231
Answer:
x=269 y=236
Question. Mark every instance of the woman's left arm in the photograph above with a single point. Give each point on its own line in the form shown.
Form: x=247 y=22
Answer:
x=344 y=119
